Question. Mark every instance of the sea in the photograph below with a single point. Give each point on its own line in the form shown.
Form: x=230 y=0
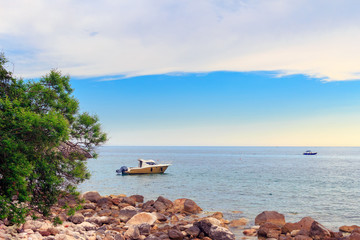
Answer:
x=241 y=181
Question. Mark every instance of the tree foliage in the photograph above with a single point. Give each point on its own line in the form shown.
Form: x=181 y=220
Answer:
x=36 y=119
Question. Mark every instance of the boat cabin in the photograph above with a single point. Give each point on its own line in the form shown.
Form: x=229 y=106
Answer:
x=146 y=163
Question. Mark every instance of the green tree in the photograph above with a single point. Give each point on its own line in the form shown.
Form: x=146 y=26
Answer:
x=44 y=142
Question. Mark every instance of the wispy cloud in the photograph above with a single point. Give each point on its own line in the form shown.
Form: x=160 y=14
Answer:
x=139 y=37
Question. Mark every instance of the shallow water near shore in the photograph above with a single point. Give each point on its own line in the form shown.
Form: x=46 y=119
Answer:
x=247 y=179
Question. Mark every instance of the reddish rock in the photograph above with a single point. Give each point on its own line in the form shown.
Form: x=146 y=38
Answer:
x=137 y=198
x=175 y=234
x=129 y=201
x=348 y=229
x=304 y=224
x=45 y=233
x=191 y=207
x=168 y=203
x=116 y=201
x=302 y=237
x=270 y=217
x=126 y=214
x=91 y=196
x=104 y=202
x=193 y=231
x=354 y=236
x=318 y=231
x=250 y=232
x=269 y=230
x=105 y=212
x=159 y=206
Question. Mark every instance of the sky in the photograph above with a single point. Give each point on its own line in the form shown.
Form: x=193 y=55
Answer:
x=199 y=73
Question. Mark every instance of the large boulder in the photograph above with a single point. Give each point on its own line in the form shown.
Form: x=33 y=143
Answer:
x=270 y=217
x=141 y=218
x=318 y=231
x=269 y=230
x=304 y=225
x=168 y=203
x=185 y=205
x=92 y=196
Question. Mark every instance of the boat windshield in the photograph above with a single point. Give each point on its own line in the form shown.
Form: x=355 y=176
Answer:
x=150 y=163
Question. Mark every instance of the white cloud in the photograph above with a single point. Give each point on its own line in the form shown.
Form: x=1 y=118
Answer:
x=138 y=37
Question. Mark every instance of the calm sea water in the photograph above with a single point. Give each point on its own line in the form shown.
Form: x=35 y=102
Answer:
x=248 y=179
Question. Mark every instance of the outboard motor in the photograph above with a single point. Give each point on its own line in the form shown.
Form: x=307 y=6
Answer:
x=122 y=170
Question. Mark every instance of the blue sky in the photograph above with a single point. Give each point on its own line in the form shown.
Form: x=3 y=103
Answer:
x=207 y=72
x=224 y=108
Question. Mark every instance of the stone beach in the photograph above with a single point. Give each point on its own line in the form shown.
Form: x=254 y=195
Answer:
x=118 y=217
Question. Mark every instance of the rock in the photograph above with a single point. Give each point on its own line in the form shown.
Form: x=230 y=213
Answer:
x=304 y=224
x=175 y=234
x=129 y=201
x=99 y=220
x=141 y=218
x=132 y=233
x=45 y=233
x=92 y=196
x=104 y=212
x=87 y=212
x=238 y=222
x=185 y=205
x=191 y=207
x=193 y=231
x=77 y=218
x=318 y=231
x=302 y=237
x=348 y=229
x=270 y=217
x=53 y=230
x=161 y=217
x=104 y=202
x=137 y=198
x=250 y=232
x=33 y=225
x=88 y=226
x=144 y=229
x=269 y=230
x=89 y=206
x=63 y=237
x=220 y=233
x=354 y=236
x=218 y=215
x=126 y=214
x=159 y=206
x=168 y=203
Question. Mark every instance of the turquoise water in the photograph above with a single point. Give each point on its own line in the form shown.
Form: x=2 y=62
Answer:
x=248 y=179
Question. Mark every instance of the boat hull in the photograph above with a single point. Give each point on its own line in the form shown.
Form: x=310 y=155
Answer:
x=309 y=153
x=146 y=170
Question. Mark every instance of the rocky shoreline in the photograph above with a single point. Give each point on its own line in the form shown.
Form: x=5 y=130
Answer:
x=118 y=217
